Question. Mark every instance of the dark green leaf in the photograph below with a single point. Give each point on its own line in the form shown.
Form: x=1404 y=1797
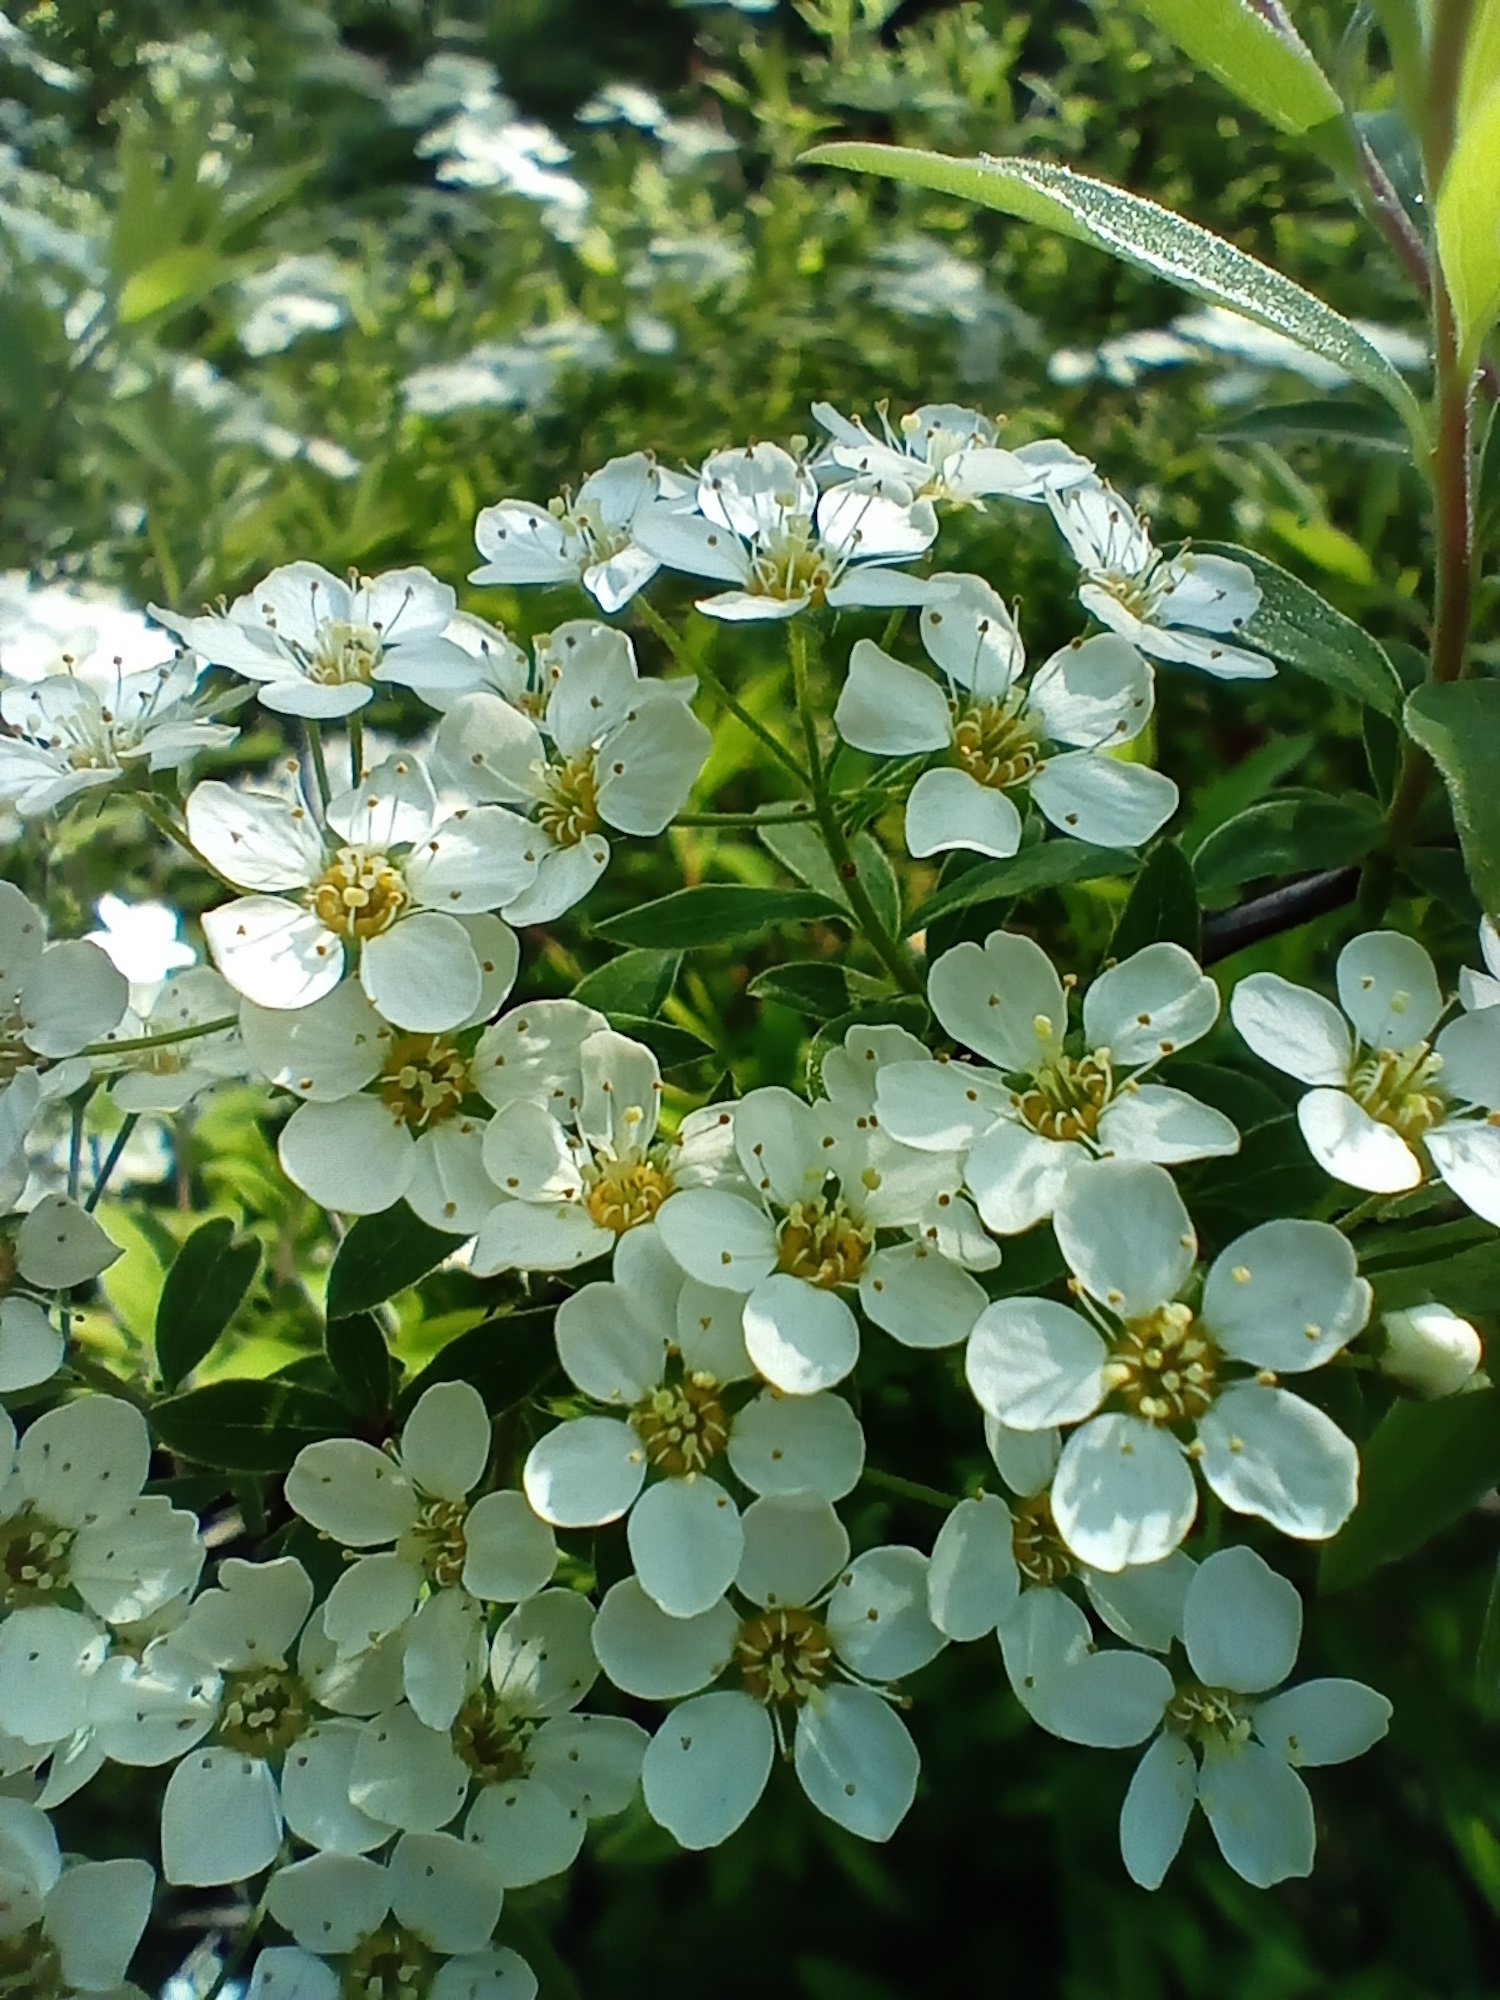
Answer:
x=1302 y=630
x=1163 y=905
x=1466 y=1280
x=507 y=1359
x=361 y=1360
x=1243 y=1098
x=637 y=982
x=716 y=913
x=815 y=987
x=672 y=1046
x=381 y=1255
x=1458 y=724
x=1047 y=865
x=801 y=852
x=1295 y=833
x=203 y=1289
x=1319 y=421
x=1244 y=784
x=1382 y=752
x=1426 y=1466
x=248 y=1426
x=1487 y=1661
x=1272 y=1174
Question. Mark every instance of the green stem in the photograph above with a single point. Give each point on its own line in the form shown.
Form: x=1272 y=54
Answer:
x=891 y=951
x=356 y=751
x=235 y=1957
x=105 y=1380
x=319 y=762
x=790 y=817
x=111 y=1161
x=908 y=1489
x=673 y=643
x=164 y=1040
x=75 y=1145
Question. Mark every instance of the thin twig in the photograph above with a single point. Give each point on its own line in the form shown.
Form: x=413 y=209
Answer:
x=1283 y=909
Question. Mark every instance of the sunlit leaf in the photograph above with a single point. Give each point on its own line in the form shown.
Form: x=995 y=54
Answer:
x=1267 y=67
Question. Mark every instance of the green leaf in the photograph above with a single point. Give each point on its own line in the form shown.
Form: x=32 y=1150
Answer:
x=1050 y=864
x=1268 y=68
x=1272 y=1174
x=1467 y=219
x=381 y=1255
x=672 y=1046
x=1458 y=724
x=716 y=913
x=248 y=1426
x=176 y=279
x=1319 y=420
x=1163 y=905
x=1300 y=629
x=1487 y=1659
x=507 y=1359
x=801 y=852
x=815 y=987
x=209 y=1277
x=1294 y=833
x=1242 y=785
x=1426 y=1465
x=1141 y=233
x=1465 y=1280
x=359 y=1357
x=637 y=982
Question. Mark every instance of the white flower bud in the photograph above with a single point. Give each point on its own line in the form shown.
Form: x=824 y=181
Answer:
x=1430 y=1350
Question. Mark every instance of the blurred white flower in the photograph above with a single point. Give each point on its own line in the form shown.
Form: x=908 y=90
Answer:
x=55 y=1000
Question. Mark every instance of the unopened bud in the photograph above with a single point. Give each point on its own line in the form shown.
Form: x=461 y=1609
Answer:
x=1430 y=1350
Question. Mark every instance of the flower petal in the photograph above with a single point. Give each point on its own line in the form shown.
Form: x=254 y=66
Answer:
x=1292 y=1029
x=1389 y=990
x=795 y=1545
x=1156 y=1811
x=272 y=952
x=1269 y=1453
x=1349 y=1144
x=655 y=1657
x=1287 y=1296
x=877 y=1614
x=1260 y=1812
x=856 y=1760
x=1241 y=1622
x=354 y=1155
x=1322 y=1722
x=919 y=1297
x=422 y=973
x=972 y=1580
x=1033 y=1363
x=706 y=1767
x=1127 y=1237
x=888 y=709
x=801 y=1337
x=1092 y=796
x=1123 y=1493
x=790 y=1444
x=686 y=1543
x=585 y=1472
x=948 y=809
x=220 y=1819
x=1152 y=1004
x=1093 y=693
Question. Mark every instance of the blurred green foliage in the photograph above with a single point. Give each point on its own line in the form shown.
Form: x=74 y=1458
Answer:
x=184 y=407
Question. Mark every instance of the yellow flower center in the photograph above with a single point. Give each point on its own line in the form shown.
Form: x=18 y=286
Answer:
x=490 y=1740
x=437 y=1541
x=1067 y=1097
x=1042 y=1556
x=996 y=742
x=821 y=1242
x=425 y=1080
x=570 y=809
x=1164 y=1367
x=359 y=895
x=344 y=653
x=784 y=1656
x=1398 y=1087
x=264 y=1711
x=682 y=1425
x=623 y=1193
x=33 y=1560
x=791 y=563
x=1200 y=1712
x=391 y=1964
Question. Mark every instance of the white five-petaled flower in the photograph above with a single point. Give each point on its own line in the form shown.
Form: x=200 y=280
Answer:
x=83 y=1548
x=69 y=735
x=420 y=1923
x=823 y=1180
x=762 y=527
x=384 y=892
x=1226 y=1742
x=946 y=452
x=666 y=1354
x=65 y=1930
x=588 y=537
x=55 y=999
x=1174 y=608
x=169 y=1076
x=53 y=1248
x=1391 y=1097
x=319 y=647
x=1042 y=1110
x=574 y=1157
x=144 y=940
x=602 y=748
x=998 y=732
x=1135 y=1369
x=441 y=1555
x=813 y=1649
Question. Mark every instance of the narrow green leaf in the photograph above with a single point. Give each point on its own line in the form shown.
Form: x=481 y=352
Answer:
x=1467 y=219
x=1050 y=864
x=381 y=1255
x=1481 y=60
x=1465 y=1280
x=177 y=279
x=801 y=852
x=1487 y=1659
x=248 y=1426
x=1302 y=630
x=1426 y=1466
x=636 y=982
x=1271 y=69
x=1458 y=724
x=716 y=913
x=1320 y=420
x=1141 y=233
x=814 y=987
x=507 y=1359
x=1294 y=833
x=1163 y=905
x=671 y=1045
x=209 y=1277
x=359 y=1357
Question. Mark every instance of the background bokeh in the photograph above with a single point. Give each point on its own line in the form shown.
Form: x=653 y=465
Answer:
x=373 y=266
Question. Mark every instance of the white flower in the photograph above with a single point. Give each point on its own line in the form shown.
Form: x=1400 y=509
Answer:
x=762 y=527
x=54 y=1248
x=318 y=647
x=65 y=1930
x=69 y=735
x=443 y=1555
x=1482 y=989
x=1042 y=1110
x=421 y=1923
x=812 y=1652
x=589 y=537
x=167 y=1078
x=1430 y=1350
x=83 y=1548
x=54 y=999
x=384 y=893
x=142 y=939
x=1093 y=695
x=623 y=753
x=943 y=451
x=1134 y=1368
x=573 y=1174
x=661 y=1351
x=1172 y=608
x=1226 y=1743
x=822 y=1183
x=500 y=666
x=1390 y=1098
